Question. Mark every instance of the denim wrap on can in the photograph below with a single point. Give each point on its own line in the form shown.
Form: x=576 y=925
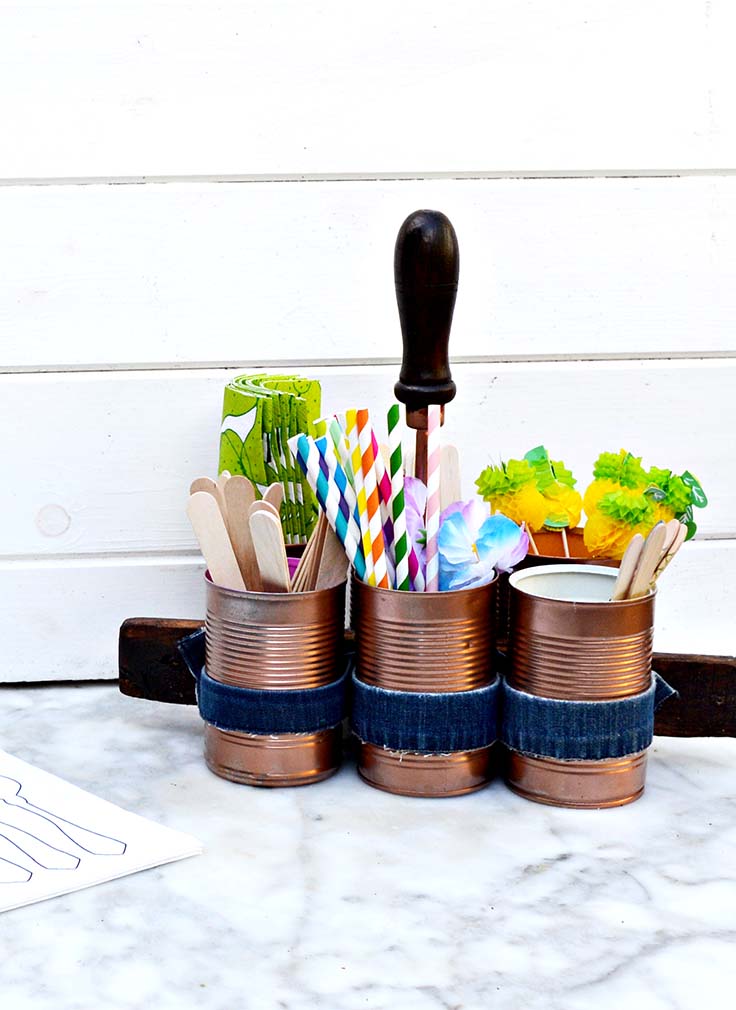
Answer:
x=581 y=730
x=425 y=723
x=264 y=712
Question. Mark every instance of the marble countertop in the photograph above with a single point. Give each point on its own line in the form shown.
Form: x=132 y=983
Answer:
x=340 y=897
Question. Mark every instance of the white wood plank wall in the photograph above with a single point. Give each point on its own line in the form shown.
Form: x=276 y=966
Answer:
x=188 y=190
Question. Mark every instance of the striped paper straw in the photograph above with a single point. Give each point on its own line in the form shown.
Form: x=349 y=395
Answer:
x=351 y=431
x=307 y=456
x=340 y=487
x=398 y=507
x=384 y=493
x=341 y=446
x=372 y=503
x=433 y=496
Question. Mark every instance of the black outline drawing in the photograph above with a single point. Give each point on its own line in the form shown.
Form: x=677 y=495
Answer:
x=52 y=828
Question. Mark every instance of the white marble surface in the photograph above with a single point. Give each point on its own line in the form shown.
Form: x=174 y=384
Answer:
x=340 y=897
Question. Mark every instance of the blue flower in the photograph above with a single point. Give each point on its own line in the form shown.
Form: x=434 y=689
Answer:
x=473 y=546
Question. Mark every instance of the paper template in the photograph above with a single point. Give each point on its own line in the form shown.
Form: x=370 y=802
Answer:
x=56 y=838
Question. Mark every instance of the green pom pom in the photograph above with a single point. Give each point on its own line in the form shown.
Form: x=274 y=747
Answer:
x=621 y=467
x=627 y=507
x=547 y=471
x=504 y=479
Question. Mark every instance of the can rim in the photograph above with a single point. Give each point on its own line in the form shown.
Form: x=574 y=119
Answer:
x=252 y=593
x=567 y=572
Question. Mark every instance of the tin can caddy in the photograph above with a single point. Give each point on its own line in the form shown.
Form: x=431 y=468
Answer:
x=484 y=632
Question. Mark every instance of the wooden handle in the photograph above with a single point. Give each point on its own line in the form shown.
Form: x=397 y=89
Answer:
x=426 y=268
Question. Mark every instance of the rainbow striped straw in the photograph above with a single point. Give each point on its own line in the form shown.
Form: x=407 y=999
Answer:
x=384 y=493
x=351 y=431
x=373 y=508
x=433 y=496
x=343 y=490
x=341 y=447
x=308 y=458
x=398 y=506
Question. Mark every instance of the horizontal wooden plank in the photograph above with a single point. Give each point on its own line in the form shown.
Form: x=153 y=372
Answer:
x=208 y=273
x=133 y=88
x=101 y=462
x=60 y=620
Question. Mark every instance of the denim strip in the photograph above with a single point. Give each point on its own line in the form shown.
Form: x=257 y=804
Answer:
x=425 y=723
x=581 y=730
x=244 y=710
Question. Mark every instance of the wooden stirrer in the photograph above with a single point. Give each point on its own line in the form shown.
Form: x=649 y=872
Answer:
x=214 y=542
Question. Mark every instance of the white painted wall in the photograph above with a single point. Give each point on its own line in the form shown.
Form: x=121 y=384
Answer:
x=188 y=190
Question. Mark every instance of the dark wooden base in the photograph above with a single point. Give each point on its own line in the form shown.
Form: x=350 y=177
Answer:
x=151 y=667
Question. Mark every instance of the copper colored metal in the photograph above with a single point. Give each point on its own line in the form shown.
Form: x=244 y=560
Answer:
x=288 y=759
x=551 y=551
x=569 y=641
x=579 y=784
x=433 y=642
x=428 y=775
x=274 y=641
x=283 y=641
x=424 y=641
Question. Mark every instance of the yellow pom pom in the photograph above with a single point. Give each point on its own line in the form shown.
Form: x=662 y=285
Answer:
x=606 y=538
x=526 y=505
x=563 y=505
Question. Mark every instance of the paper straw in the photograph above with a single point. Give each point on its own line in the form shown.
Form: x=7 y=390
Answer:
x=340 y=487
x=433 y=496
x=398 y=506
x=372 y=503
x=351 y=431
x=308 y=458
x=384 y=494
x=341 y=447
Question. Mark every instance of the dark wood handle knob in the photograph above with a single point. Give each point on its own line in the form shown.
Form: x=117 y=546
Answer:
x=426 y=268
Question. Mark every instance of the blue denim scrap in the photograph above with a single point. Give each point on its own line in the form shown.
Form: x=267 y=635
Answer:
x=247 y=710
x=425 y=723
x=581 y=730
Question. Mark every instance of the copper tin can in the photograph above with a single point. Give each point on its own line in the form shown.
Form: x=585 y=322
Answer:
x=274 y=641
x=551 y=551
x=569 y=641
x=432 y=642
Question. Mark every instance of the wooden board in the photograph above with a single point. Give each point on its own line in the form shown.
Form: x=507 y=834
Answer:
x=104 y=460
x=141 y=88
x=179 y=274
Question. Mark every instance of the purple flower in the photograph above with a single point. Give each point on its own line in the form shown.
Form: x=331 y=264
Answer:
x=474 y=545
x=415 y=501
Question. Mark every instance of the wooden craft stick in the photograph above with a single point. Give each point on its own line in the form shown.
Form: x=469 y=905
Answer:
x=297 y=583
x=627 y=567
x=268 y=540
x=333 y=564
x=207 y=484
x=668 y=555
x=214 y=542
x=450 y=484
x=264 y=506
x=651 y=553
x=239 y=496
x=274 y=495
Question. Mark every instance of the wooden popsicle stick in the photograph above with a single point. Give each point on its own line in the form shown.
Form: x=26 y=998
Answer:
x=274 y=495
x=648 y=561
x=264 y=506
x=210 y=485
x=214 y=542
x=268 y=540
x=333 y=564
x=239 y=496
x=297 y=583
x=627 y=567
x=668 y=555
x=450 y=483
x=315 y=559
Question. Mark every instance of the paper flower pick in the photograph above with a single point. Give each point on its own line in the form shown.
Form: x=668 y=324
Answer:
x=473 y=546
